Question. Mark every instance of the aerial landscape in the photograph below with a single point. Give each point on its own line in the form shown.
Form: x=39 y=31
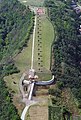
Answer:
x=40 y=59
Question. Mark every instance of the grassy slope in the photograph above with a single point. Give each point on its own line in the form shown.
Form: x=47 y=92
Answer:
x=47 y=35
x=23 y=61
x=33 y=2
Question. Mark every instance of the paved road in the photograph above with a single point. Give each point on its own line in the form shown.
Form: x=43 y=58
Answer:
x=28 y=104
x=33 y=43
x=24 y=112
x=31 y=91
x=28 y=101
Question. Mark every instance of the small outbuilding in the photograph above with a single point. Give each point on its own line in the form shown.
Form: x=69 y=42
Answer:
x=40 y=11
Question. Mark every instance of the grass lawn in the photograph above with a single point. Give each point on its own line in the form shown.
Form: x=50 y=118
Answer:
x=23 y=60
x=47 y=39
x=43 y=42
x=33 y=2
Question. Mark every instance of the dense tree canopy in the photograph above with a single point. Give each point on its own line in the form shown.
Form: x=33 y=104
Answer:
x=7 y=109
x=16 y=24
x=67 y=45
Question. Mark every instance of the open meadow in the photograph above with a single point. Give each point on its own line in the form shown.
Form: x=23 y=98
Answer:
x=33 y=2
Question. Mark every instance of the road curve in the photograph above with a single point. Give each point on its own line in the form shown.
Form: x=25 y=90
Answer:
x=28 y=104
x=24 y=112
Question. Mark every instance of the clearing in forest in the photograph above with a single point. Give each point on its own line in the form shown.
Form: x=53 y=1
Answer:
x=23 y=60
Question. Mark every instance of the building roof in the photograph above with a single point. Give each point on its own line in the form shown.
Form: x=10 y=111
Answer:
x=40 y=11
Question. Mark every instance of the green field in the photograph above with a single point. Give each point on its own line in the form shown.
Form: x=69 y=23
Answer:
x=43 y=42
x=47 y=39
x=33 y=2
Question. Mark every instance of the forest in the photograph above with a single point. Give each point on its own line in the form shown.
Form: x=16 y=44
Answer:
x=16 y=24
x=66 y=46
